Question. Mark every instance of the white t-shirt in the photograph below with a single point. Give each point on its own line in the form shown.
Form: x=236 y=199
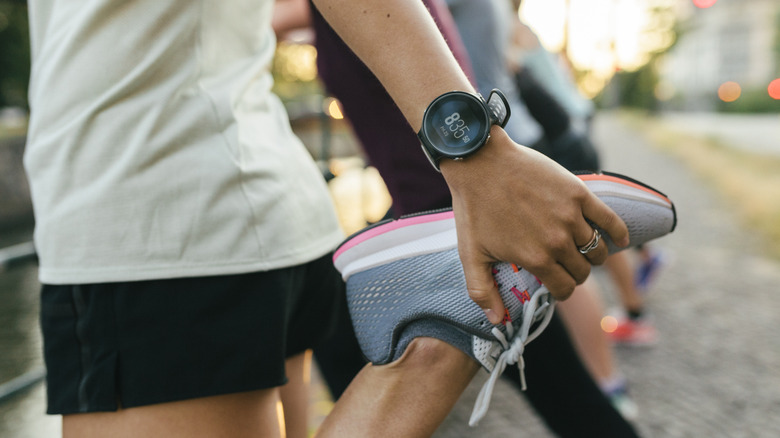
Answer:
x=156 y=149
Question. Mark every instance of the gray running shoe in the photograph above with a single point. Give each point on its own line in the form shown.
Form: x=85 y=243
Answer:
x=405 y=280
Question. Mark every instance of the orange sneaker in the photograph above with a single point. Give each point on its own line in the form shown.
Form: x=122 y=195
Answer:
x=634 y=332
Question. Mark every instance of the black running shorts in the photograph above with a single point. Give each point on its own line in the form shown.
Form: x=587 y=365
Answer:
x=140 y=343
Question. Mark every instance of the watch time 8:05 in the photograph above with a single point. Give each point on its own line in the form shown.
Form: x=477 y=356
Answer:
x=457 y=124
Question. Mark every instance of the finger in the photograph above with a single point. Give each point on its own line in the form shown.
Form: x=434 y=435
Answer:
x=597 y=255
x=483 y=289
x=575 y=264
x=600 y=214
x=558 y=280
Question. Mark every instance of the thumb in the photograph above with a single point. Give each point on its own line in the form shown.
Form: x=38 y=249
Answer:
x=483 y=289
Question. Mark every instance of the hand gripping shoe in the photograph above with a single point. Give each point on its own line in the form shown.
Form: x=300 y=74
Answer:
x=405 y=280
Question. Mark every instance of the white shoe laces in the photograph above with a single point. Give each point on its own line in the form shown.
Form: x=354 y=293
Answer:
x=513 y=349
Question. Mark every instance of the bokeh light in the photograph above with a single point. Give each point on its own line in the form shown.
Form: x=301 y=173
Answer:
x=704 y=4
x=609 y=324
x=774 y=89
x=334 y=109
x=295 y=62
x=664 y=91
x=729 y=91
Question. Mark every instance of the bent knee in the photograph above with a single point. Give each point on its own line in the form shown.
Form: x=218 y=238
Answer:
x=435 y=354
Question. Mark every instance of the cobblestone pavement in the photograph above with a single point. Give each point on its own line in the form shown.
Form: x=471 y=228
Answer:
x=716 y=369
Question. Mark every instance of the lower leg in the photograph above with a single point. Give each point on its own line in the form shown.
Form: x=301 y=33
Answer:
x=409 y=397
x=622 y=275
x=582 y=314
x=295 y=395
x=636 y=329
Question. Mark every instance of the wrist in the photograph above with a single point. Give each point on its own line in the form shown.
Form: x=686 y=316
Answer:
x=465 y=170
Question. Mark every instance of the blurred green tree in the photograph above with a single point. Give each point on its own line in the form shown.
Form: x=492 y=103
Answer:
x=636 y=88
x=14 y=53
x=777 y=44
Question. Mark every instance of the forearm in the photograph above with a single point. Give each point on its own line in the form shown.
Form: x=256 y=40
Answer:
x=400 y=43
x=290 y=15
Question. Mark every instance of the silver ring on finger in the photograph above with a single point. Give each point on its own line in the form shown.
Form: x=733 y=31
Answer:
x=593 y=244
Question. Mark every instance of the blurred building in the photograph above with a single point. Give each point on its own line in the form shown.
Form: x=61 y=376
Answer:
x=730 y=41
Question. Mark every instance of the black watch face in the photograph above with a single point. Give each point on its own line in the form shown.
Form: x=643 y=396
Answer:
x=456 y=124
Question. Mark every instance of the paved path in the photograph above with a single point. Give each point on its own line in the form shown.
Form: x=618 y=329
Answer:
x=759 y=133
x=716 y=371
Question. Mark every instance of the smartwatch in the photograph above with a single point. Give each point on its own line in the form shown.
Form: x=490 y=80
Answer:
x=457 y=124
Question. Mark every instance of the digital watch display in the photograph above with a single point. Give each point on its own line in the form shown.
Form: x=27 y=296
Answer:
x=457 y=124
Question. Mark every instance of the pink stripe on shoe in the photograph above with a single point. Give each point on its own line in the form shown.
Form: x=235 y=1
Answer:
x=394 y=225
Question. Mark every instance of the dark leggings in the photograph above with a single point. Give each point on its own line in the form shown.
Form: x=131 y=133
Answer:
x=559 y=387
x=572 y=150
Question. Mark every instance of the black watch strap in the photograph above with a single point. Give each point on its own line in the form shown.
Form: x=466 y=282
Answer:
x=499 y=108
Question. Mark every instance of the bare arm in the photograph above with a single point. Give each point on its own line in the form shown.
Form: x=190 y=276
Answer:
x=399 y=42
x=510 y=203
x=290 y=15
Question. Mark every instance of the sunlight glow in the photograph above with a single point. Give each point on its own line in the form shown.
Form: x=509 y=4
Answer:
x=602 y=34
x=280 y=418
x=547 y=19
x=602 y=37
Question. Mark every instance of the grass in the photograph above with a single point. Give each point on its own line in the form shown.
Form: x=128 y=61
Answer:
x=749 y=181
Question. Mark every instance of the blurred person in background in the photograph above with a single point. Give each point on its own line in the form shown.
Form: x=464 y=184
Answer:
x=566 y=117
